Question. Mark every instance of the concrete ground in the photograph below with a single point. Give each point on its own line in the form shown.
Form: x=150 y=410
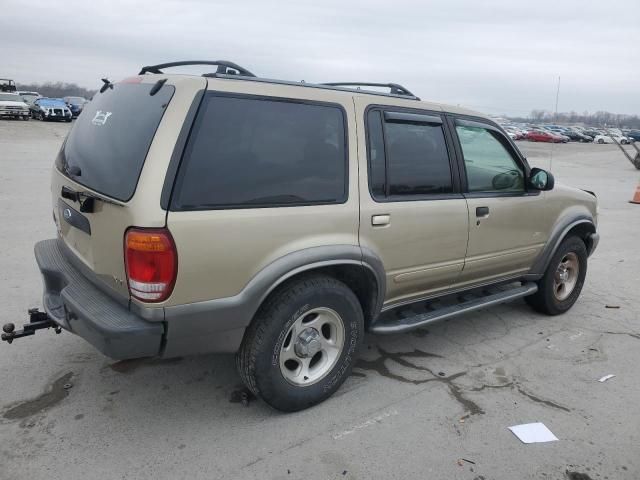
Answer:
x=434 y=404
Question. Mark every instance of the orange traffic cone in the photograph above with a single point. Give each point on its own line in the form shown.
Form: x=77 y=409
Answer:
x=636 y=196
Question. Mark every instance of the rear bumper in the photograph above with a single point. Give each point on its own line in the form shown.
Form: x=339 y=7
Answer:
x=77 y=305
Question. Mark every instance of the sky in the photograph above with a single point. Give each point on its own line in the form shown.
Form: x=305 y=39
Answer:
x=495 y=56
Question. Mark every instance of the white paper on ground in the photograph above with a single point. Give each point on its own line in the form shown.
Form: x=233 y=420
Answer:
x=606 y=377
x=533 y=433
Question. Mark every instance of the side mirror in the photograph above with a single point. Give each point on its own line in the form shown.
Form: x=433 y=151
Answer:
x=541 y=179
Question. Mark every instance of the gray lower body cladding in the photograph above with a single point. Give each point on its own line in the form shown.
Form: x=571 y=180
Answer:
x=120 y=329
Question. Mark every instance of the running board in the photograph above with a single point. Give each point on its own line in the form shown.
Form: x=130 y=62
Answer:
x=392 y=321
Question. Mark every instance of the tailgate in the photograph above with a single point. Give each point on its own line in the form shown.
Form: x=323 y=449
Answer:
x=118 y=150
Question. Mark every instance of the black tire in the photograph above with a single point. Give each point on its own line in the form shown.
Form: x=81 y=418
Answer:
x=544 y=300
x=258 y=360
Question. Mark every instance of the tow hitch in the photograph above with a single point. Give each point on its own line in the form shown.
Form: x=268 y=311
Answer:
x=37 y=320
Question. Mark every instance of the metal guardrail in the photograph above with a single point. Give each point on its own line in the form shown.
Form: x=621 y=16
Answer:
x=635 y=161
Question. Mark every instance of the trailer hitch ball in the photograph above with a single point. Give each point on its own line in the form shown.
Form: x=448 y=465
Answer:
x=37 y=320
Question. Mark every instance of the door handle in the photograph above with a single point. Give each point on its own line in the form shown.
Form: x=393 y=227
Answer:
x=380 y=220
x=482 y=212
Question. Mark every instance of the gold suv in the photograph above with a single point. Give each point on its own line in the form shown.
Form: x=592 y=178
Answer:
x=282 y=220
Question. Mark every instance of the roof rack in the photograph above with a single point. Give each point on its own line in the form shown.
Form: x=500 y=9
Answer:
x=230 y=70
x=394 y=88
x=224 y=67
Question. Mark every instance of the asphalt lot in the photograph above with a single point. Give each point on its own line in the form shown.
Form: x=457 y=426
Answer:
x=397 y=417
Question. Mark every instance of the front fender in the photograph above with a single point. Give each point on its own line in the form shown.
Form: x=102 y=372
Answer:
x=582 y=221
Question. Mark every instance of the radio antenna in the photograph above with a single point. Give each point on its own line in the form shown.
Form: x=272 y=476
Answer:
x=555 y=119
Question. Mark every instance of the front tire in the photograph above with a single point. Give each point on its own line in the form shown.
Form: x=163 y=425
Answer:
x=563 y=280
x=302 y=343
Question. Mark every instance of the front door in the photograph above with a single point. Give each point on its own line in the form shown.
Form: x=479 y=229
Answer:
x=506 y=218
x=412 y=213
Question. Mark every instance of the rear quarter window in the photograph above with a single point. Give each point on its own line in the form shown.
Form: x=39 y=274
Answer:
x=109 y=142
x=248 y=152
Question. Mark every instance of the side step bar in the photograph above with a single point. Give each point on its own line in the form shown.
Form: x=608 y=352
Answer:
x=387 y=324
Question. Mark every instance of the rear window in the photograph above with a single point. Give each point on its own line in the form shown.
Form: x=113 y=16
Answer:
x=106 y=148
x=247 y=152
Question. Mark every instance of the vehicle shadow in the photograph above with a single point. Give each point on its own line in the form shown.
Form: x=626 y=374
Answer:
x=176 y=386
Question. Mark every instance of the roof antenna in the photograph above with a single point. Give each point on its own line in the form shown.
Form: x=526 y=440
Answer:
x=555 y=119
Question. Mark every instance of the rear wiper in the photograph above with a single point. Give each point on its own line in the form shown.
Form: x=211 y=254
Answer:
x=85 y=199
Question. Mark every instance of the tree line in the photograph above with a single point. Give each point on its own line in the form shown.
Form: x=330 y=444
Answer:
x=57 y=89
x=596 y=119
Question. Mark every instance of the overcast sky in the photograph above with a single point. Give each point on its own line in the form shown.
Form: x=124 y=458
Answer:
x=493 y=56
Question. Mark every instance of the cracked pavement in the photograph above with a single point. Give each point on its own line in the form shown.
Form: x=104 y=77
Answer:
x=415 y=407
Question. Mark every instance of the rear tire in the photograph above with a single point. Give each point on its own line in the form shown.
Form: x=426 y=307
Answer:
x=275 y=360
x=563 y=280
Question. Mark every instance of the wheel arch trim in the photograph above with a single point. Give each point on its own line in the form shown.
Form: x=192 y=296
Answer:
x=193 y=328
x=558 y=234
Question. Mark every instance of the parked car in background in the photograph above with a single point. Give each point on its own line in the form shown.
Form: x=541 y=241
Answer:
x=50 y=109
x=556 y=131
x=576 y=135
x=604 y=138
x=29 y=97
x=543 y=136
x=514 y=133
x=7 y=85
x=12 y=106
x=634 y=134
x=618 y=134
x=75 y=104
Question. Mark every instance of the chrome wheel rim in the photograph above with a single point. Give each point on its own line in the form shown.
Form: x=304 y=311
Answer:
x=566 y=276
x=312 y=346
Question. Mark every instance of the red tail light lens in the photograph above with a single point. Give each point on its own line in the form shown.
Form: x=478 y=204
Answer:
x=151 y=261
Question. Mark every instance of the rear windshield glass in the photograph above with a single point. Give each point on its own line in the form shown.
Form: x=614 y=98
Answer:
x=106 y=148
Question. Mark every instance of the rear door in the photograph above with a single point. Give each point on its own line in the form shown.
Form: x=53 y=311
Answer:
x=119 y=150
x=507 y=221
x=412 y=214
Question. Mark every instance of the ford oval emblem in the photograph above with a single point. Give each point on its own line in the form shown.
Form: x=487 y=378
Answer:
x=66 y=213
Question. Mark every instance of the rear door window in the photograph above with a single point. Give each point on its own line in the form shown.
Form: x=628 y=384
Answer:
x=247 y=152
x=408 y=156
x=107 y=146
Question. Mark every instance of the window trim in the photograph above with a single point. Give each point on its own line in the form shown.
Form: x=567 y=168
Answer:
x=467 y=120
x=174 y=207
x=453 y=164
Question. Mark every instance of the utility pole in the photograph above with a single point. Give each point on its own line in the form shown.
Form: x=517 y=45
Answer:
x=557 y=96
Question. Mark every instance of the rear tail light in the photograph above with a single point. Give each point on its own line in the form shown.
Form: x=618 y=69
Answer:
x=151 y=261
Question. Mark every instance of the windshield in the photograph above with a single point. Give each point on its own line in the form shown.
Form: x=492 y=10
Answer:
x=5 y=97
x=109 y=142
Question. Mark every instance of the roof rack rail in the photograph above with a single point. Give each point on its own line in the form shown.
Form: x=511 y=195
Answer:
x=394 y=88
x=230 y=70
x=224 y=67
